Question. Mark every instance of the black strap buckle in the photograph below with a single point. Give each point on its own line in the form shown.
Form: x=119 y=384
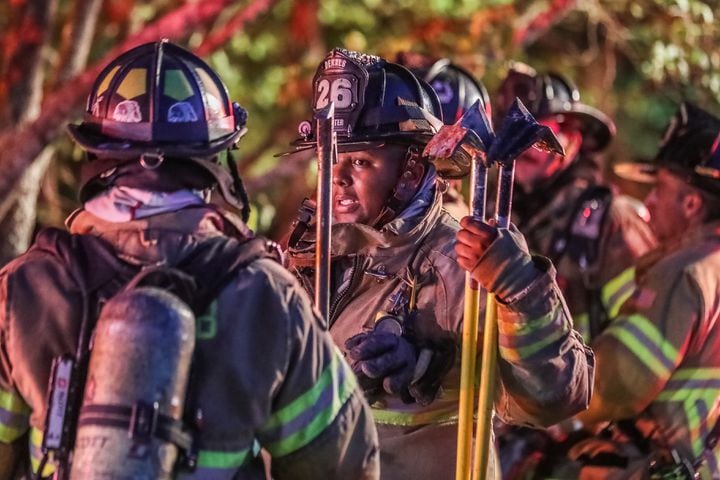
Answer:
x=144 y=421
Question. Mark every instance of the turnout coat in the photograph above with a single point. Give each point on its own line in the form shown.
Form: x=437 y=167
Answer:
x=266 y=374
x=545 y=371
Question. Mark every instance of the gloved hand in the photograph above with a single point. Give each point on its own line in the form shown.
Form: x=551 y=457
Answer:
x=385 y=357
x=496 y=258
x=428 y=378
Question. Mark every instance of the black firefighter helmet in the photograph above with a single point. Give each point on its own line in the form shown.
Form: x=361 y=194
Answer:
x=376 y=102
x=690 y=148
x=456 y=88
x=552 y=95
x=158 y=103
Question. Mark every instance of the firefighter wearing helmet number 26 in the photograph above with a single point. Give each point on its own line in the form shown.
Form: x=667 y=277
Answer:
x=206 y=349
x=396 y=299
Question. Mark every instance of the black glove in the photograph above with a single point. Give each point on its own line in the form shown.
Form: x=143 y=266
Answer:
x=428 y=378
x=384 y=357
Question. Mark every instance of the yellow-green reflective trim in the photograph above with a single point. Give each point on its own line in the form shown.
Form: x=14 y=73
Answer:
x=404 y=419
x=206 y=325
x=9 y=434
x=36 y=438
x=612 y=287
x=341 y=392
x=15 y=405
x=653 y=335
x=226 y=460
x=519 y=329
x=689 y=397
x=696 y=374
x=48 y=470
x=514 y=354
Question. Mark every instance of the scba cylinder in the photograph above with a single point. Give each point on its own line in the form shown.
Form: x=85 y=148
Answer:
x=135 y=389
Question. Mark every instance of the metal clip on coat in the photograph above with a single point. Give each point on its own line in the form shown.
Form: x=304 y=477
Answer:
x=470 y=144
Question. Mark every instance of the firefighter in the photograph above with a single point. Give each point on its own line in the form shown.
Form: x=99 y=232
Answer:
x=567 y=213
x=264 y=373
x=397 y=283
x=658 y=362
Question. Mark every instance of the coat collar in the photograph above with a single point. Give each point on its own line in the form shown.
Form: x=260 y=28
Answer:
x=355 y=239
x=159 y=238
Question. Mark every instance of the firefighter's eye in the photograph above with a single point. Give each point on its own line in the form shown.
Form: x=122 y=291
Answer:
x=360 y=162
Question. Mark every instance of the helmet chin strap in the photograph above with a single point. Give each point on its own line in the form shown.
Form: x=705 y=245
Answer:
x=404 y=189
x=238 y=187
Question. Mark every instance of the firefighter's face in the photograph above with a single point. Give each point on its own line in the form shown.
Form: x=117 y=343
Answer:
x=534 y=166
x=363 y=181
x=668 y=204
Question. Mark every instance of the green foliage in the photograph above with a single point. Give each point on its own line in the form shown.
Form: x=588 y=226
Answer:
x=634 y=59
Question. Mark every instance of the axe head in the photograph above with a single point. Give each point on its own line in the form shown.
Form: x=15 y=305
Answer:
x=520 y=131
x=453 y=148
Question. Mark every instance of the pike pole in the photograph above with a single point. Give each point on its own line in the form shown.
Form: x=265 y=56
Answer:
x=483 y=432
x=471 y=144
x=451 y=150
x=471 y=314
x=518 y=132
x=327 y=157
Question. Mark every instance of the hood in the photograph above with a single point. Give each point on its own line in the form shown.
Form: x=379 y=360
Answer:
x=406 y=230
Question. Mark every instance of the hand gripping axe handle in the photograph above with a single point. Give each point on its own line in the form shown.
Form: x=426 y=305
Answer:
x=466 y=138
x=518 y=132
x=473 y=135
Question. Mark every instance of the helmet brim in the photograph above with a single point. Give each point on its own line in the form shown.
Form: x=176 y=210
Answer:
x=597 y=128
x=359 y=144
x=638 y=172
x=102 y=145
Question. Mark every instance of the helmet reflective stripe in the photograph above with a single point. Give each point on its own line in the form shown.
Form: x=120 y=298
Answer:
x=712 y=168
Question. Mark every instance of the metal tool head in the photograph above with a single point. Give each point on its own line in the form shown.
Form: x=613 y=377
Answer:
x=520 y=131
x=452 y=149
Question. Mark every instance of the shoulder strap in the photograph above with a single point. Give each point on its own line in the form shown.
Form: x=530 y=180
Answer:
x=580 y=237
x=216 y=262
x=93 y=262
x=90 y=260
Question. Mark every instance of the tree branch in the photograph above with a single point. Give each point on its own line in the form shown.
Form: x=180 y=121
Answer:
x=19 y=146
x=247 y=14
